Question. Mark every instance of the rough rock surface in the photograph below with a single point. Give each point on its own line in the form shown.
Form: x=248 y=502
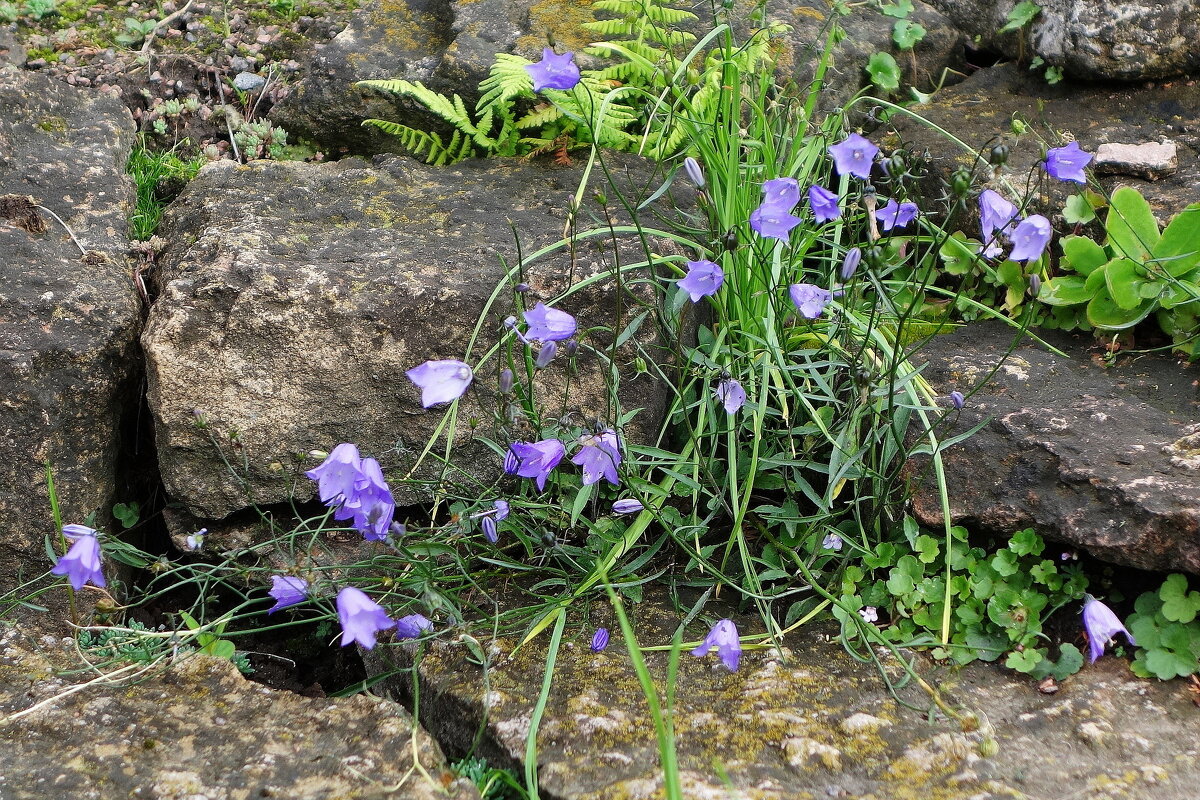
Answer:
x=814 y=725
x=198 y=730
x=450 y=45
x=1100 y=458
x=68 y=323
x=295 y=296
x=1092 y=39
x=982 y=108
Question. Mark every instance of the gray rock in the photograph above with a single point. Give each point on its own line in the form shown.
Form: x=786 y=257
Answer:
x=248 y=82
x=980 y=111
x=68 y=323
x=295 y=296
x=11 y=50
x=198 y=729
x=810 y=722
x=1092 y=39
x=450 y=45
x=1087 y=455
x=1149 y=160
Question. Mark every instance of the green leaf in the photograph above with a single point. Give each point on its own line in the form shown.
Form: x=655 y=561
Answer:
x=884 y=71
x=1124 y=278
x=900 y=9
x=902 y=579
x=927 y=549
x=1066 y=290
x=906 y=33
x=1026 y=543
x=1021 y=15
x=1103 y=312
x=1083 y=255
x=1179 y=605
x=221 y=648
x=1078 y=211
x=127 y=514
x=957 y=255
x=1132 y=229
x=1164 y=664
x=1005 y=563
x=1024 y=661
x=1070 y=661
x=1178 y=251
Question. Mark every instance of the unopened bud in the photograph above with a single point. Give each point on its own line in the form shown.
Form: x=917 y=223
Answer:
x=546 y=355
x=506 y=381
x=1035 y=285
x=692 y=166
x=998 y=155
x=730 y=240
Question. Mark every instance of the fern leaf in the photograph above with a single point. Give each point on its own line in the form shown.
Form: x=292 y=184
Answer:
x=428 y=146
x=507 y=79
x=451 y=109
x=540 y=116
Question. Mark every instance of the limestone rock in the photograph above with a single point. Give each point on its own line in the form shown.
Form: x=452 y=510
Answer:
x=68 y=322
x=449 y=45
x=776 y=728
x=198 y=729
x=1076 y=450
x=294 y=297
x=1093 y=39
x=1149 y=160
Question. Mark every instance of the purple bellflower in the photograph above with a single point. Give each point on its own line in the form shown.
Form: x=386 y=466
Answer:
x=195 y=541
x=81 y=563
x=287 y=591
x=854 y=155
x=501 y=507
x=773 y=222
x=549 y=324
x=724 y=637
x=832 y=542
x=782 y=193
x=489 y=529
x=338 y=474
x=534 y=460
x=370 y=505
x=1102 y=626
x=730 y=394
x=412 y=626
x=554 y=71
x=361 y=617
x=824 y=204
x=957 y=400
x=850 y=263
x=441 y=381
x=627 y=506
x=809 y=300
x=996 y=216
x=1030 y=238
x=1067 y=163
x=599 y=456
x=895 y=215
x=703 y=279
x=599 y=640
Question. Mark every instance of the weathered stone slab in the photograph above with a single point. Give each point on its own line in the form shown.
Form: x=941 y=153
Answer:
x=980 y=112
x=295 y=296
x=450 y=45
x=68 y=322
x=815 y=724
x=198 y=729
x=1097 y=457
x=1092 y=39
x=1149 y=160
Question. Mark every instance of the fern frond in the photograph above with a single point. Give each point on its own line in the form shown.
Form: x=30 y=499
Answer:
x=506 y=79
x=427 y=145
x=451 y=109
x=539 y=116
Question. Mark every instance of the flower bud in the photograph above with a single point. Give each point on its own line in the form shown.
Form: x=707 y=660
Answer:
x=1035 y=285
x=522 y=287
x=600 y=640
x=960 y=181
x=506 y=381
x=571 y=348
x=895 y=165
x=692 y=166
x=998 y=155
x=546 y=355
x=730 y=240
x=957 y=399
x=627 y=506
x=850 y=263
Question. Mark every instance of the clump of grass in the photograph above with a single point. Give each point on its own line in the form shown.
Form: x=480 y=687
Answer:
x=159 y=176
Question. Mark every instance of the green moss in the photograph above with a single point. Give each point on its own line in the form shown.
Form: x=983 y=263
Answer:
x=53 y=124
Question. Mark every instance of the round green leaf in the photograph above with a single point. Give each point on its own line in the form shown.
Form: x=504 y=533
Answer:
x=1103 y=312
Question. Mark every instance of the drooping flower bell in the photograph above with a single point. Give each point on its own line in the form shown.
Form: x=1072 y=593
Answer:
x=895 y=215
x=412 y=626
x=809 y=300
x=1102 y=626
x=534 y=460
x=1030 y=238
x=441 y=381
x=1067 y=163
x=703 y=279
x=723 y=637
x=360 y=617
x=824 y=204
x=287 y=590
x=599 y=456
x=730 y=394
x=81 y=563
x=549 y=324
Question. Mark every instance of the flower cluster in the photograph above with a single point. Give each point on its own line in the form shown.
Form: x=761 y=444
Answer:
x=356 y=488
x=773 y=219
x=997 y=216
